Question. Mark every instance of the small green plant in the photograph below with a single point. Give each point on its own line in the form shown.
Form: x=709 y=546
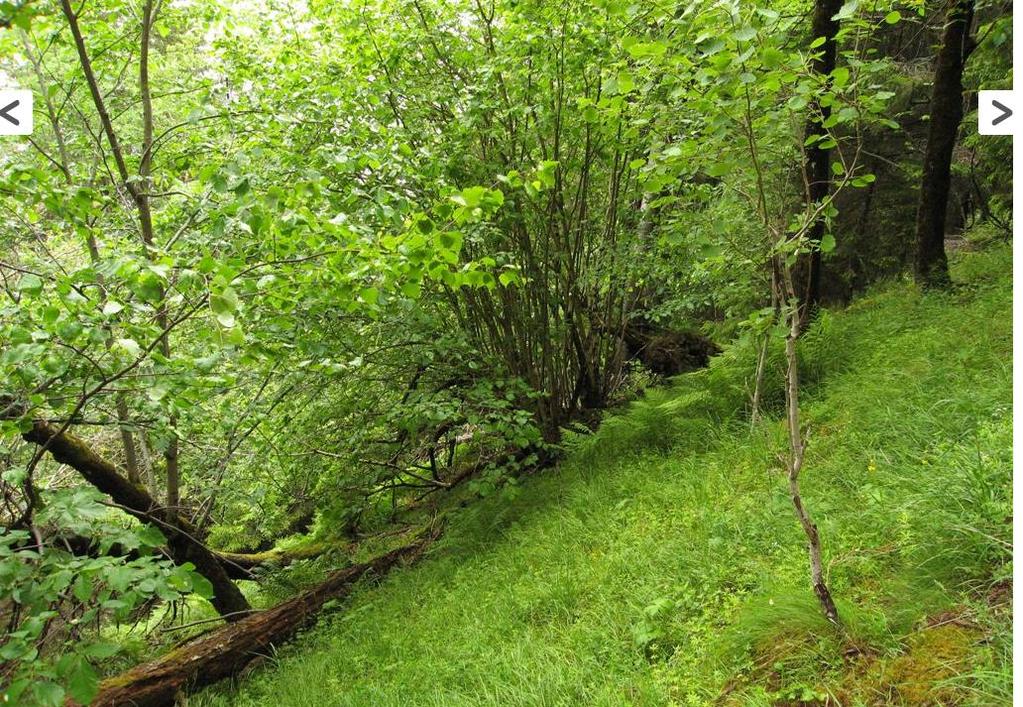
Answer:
x=52 y=642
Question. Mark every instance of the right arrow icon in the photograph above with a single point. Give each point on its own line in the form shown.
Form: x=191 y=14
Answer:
x=1006 y=112
x=996 y=114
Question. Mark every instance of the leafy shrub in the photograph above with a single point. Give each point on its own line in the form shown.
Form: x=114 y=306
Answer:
x=55 y=600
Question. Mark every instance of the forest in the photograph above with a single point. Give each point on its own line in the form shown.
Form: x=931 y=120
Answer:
x=505 y=352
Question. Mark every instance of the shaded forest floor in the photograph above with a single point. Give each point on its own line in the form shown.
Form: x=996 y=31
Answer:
x=661 y=563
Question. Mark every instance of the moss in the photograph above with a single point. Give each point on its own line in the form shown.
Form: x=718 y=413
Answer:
x=924 y=674
x=282 y=557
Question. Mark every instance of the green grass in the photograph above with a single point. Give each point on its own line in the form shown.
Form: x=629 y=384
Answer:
x=661 y=563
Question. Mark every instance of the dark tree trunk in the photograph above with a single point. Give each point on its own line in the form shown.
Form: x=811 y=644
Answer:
x=181 y=541
x=817 y=167
x=931 y=268
x=226 y=651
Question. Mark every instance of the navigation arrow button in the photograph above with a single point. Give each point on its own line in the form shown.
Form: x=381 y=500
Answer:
x=15 y=112
x=1006 y=112
x=996 y=113
x=5 y=114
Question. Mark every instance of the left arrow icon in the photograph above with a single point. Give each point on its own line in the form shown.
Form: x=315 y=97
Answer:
x=15 y=112
x=5 y=114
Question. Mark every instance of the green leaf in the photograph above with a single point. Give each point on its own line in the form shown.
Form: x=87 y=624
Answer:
x=719 y=169
x=827 y=243
x=224 y=305
x=82 y=589
x=772 y=58
x=469 y=197
x=201 y=586
x=744 y=34
x=30 y=284
x=640 y=50
x=546 y=172
x=112 y=307
x=508 y=277
x=625 y=82
x=131 y=346
x=48 y=694
x=848 y=10
x=83 y=682
x=369 y=295
x=101 y=650
x=151 y=536
x=893 y=17
x=225 y=301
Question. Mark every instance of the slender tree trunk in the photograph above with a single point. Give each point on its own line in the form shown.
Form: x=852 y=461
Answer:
x=946 y=112
x=817 y=165
x=127 y=439
x=138 y=190
x=758 y=381
x=170 y=454
x=797 y=450
x=131 y=460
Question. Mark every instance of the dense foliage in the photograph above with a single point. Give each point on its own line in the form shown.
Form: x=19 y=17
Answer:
x=282 y=278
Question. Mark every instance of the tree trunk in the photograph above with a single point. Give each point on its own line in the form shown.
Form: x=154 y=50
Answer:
x=141 y=195
x=239 y=565
x=181 y=541
x=226 y=651
x=946 y=112
x=797 y=451
x=123 y=418
x=817 y=164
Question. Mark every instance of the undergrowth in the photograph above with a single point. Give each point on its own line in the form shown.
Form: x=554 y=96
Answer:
x=661 y=564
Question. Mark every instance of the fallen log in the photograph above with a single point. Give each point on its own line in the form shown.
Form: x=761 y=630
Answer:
x=224 y=652
x=239 y=565
x=182 y=544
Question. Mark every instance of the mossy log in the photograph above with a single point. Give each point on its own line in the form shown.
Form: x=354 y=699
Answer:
x=229 y=649
x=182 y=544
x=239 y=565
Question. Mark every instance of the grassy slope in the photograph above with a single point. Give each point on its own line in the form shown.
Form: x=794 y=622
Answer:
x=662 y=564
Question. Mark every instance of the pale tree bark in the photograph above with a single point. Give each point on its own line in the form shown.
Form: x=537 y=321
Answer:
x=791 y=302
x=797 y=448
x=170 y=454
